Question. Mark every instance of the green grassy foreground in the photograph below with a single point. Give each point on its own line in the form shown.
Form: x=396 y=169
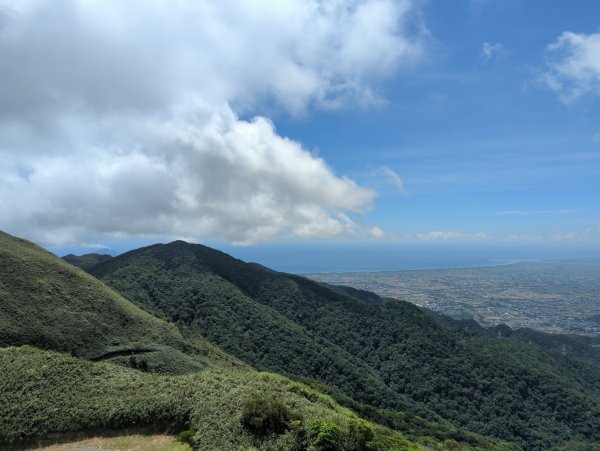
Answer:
x=47 y=392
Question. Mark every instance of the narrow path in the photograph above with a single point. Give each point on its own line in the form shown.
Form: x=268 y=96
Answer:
x=134 y=442
x=156 y=437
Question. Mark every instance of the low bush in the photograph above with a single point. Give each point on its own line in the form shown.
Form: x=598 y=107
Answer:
x=187 y=437
x=323 y=436
x=360 y=433
x=263 y=416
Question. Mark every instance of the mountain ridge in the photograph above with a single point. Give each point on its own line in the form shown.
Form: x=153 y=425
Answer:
x=166 y=376
x=48 y=303
x=465 y=378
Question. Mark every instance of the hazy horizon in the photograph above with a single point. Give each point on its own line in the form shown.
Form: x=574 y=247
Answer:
x=305 y=258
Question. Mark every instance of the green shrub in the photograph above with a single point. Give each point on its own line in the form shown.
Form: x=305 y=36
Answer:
x=187 y=437
x=323 y=436
x=359 y=435
x=451 y=445
x=264 y=416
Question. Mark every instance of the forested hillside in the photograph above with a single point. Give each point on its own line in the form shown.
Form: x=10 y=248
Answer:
x=47 y=303
x=176 y=379
x=378 y=353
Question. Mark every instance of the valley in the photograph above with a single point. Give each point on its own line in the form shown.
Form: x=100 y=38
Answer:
x=555 y=296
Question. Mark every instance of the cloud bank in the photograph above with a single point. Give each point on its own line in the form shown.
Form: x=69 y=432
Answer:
x=129 y=118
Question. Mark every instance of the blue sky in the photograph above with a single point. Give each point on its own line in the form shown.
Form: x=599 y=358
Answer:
x=479 y=143
x=302 y=125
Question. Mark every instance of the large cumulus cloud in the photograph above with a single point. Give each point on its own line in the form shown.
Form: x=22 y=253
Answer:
x=121 y=118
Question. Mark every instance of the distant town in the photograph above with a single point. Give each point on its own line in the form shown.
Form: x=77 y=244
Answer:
x=558 y=297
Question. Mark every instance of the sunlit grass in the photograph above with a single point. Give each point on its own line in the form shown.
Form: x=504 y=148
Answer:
x=135 y=442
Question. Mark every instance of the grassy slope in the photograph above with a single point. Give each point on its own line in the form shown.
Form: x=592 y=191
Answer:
x=46 y=392
x=504 y=388
x=47 y=303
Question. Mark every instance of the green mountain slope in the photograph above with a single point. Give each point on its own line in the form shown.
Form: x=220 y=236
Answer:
x=505 y=388
x=172 y=285
x=47 y=303
x=50 y=304
x=48 y=393
x=578 y=347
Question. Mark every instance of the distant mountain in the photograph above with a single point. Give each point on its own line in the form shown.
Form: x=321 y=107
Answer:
x=387 y=355
x=86 y=261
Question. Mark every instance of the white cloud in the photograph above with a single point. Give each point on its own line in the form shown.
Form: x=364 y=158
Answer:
x=141 y=55
x=377 y=232
x=573 y=66
x=394 y=179
x=491 y=51
x=122 y=118
x=199 y=176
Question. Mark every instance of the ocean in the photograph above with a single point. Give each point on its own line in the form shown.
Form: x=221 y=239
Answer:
x=317 y=258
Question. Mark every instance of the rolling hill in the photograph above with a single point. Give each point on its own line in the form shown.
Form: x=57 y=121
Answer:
x=76 y=357
x=49 y=304
x=376 y=356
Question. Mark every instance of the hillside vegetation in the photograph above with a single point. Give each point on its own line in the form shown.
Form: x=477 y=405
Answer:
x=254 y=332
x=379 y=357
x=45 y=392
x=47 y=303
x=226 y=405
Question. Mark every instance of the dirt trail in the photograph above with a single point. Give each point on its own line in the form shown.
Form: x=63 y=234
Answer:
x=134 y=442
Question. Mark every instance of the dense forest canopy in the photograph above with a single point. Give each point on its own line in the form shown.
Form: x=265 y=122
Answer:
x=387 y=354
